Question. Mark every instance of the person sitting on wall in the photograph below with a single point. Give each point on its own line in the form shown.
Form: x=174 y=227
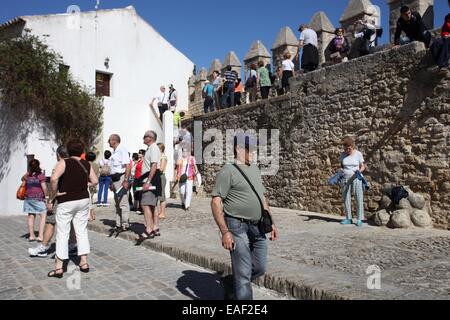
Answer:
x=440 y=49
x=412 y=25
x=339 y=47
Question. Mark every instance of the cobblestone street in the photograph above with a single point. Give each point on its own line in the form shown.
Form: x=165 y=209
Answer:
x=118 y=271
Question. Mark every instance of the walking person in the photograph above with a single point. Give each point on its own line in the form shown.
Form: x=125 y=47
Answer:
x=173 y=97
x=137 y=175
x=217 y=84
x=104 y=179
x=72 y=178
x=309 y=43
x=237 y=210
x=251 y=83
x=34 y=204
x=120 y=175
x=162 y=168
x=239 y=89
x=288 y=71
x=186 y=173
x=41 y=250
x=229 y=87
x=90 y=157
x=264 y=80
x=208 y=95
x=352 y=164
x=151 y=189
x=163 y=102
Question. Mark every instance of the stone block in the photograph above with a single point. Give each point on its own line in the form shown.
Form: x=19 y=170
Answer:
x=417 y=200
x=421 y=219
x=401 y=219
x=382 y=218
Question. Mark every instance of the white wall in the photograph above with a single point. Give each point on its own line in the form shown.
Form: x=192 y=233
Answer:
x=140 y=61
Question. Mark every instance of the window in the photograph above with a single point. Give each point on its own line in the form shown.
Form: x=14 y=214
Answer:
x=102 y=84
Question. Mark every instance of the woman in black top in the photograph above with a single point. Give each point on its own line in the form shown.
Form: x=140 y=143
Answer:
x=70 y=182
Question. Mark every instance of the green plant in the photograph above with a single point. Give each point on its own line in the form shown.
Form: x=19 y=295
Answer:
x=35 y=85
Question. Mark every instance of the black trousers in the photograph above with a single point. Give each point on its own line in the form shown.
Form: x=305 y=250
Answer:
x=265 y=92
x=162 y=108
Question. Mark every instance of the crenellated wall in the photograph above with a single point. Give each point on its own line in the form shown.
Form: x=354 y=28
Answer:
x=396 y=105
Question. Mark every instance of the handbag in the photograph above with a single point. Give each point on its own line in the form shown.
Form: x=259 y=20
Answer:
x=21 y=192
x=265 y=223
x=184 y=176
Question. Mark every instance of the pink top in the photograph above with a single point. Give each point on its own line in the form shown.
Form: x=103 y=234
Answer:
x=181 y=168
x=34 y=187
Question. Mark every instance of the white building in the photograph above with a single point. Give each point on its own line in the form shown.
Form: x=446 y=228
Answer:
x=116 y=53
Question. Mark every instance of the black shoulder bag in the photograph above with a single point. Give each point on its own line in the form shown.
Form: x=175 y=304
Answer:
x=265 y=223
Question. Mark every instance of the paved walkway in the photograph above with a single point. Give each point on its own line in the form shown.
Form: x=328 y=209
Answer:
x=316 y=257
x=118 y=271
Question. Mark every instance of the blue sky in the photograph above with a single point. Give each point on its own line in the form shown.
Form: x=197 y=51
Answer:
x=206 y=29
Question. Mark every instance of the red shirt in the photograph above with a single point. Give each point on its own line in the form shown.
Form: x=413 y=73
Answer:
x=446 y=29
x=138 y=171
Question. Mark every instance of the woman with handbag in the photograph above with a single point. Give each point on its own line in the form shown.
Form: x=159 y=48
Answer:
x=34 y=204
x=72 y=178
x=186 y=173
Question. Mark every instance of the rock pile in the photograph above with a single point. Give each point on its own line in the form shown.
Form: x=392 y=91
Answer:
x=415 y=210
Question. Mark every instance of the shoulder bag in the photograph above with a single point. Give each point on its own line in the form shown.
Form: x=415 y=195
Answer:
x=265 y=223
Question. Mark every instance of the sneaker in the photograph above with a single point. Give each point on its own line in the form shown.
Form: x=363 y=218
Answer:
x=106 y=205
x=99 y=204
x=346 y=222
x=40 y=251
x=359 y=223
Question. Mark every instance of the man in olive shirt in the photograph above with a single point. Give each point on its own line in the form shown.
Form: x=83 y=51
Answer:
x=237 y=211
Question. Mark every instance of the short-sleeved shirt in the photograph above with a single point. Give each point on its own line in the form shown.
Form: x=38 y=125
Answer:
x=163 y=157
x=238 y=198
x=288 y=65
x=176 y=119
x=119 y=160
x=152 y=155
x=209 y=89
x=230 y=76
x=351 y=164
x=264 y=79
x=163 y=98
x=173 y=95
x=217 y=83
x=34 y=187
x=309 y=36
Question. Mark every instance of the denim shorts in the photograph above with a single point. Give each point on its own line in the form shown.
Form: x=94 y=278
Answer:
x=34 y=206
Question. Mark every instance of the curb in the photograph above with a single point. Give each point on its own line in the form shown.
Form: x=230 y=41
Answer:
x=269 y=281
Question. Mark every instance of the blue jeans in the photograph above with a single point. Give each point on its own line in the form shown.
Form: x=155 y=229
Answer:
x=425 y=37
x=228 y=93
x=103 y=187
x=249 y=259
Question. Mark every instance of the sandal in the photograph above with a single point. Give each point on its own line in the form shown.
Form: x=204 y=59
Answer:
x=156 y=233
x=55 y=274
x=162 y=217
x=146 y=236
x=85 y=270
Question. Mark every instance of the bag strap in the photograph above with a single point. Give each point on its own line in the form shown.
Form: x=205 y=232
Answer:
x=251 y=186
x=84 y=168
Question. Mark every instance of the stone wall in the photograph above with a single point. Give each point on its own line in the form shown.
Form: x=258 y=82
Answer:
x=395 y=103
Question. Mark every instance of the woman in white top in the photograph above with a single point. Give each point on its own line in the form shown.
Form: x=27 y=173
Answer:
x=288 y=71
x=352 y=162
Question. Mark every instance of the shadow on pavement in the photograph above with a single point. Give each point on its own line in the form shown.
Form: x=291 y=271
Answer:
x=200 y=285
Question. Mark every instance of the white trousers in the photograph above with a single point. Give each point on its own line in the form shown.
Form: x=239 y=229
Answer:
x=66 y=213
x=186 y=192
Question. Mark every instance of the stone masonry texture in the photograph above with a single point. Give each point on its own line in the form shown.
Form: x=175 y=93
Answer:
x=394 y=103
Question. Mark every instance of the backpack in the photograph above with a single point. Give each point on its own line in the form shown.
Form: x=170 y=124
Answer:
x=398 y=193
x=105 y=170
x=251 y=81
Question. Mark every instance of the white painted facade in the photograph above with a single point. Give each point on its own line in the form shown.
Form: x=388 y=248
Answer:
x=140 y=61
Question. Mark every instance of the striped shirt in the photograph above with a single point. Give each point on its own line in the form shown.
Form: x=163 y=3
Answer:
x=230 y=76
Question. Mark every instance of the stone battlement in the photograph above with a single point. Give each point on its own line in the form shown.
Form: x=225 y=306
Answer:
x=395 y=103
